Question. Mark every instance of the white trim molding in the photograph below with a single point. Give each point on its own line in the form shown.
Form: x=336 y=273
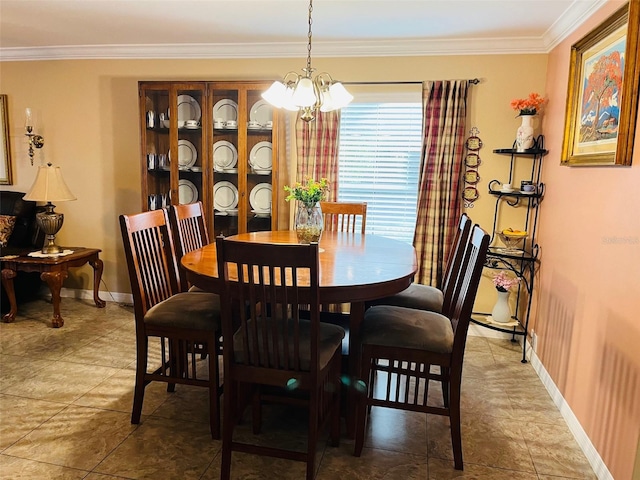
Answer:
x=598 y=465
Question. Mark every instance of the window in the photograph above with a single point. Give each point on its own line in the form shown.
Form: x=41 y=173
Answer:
x=379 y=162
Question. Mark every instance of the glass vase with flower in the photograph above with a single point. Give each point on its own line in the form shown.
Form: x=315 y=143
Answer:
x=308 y=220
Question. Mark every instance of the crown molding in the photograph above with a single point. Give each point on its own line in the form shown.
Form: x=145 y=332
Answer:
x=571 y=19
x=575 y=16
x=407 y=47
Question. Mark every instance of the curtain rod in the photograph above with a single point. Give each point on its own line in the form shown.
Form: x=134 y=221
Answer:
x=473 y=81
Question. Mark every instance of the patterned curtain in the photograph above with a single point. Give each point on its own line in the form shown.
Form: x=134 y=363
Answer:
x=440 y=186
x=317 y=149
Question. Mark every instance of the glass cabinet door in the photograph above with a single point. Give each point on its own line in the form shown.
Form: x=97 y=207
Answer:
x=243 y=158
x=156 y=178
x=173 y=144
x=214 y=142
x=189 y=148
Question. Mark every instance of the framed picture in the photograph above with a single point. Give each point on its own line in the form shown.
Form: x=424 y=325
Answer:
x=5 y=162
x=602 y=100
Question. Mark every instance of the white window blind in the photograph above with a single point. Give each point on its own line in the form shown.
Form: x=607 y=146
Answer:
x=379 y=161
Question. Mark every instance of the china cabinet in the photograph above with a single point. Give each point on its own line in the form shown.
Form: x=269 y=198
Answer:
x=216 y=142
x=524 y=169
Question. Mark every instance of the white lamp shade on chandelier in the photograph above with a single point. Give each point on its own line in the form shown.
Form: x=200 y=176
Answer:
x=306 y=93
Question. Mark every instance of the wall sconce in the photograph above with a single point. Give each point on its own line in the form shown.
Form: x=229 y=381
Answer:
x=35 y=140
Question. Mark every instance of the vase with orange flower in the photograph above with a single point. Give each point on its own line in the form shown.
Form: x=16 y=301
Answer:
x=527 y=108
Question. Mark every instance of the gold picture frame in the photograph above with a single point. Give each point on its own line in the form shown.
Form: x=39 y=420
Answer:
x=6 y=175
x=602 y=106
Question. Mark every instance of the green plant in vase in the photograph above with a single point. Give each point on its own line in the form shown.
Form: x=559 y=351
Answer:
x=308 y=220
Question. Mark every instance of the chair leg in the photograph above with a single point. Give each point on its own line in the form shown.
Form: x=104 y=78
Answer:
x=256 y=410
x=454 y=419
x=363 y=408
x=214 y=397
x=141 y=369
x=335 y=408
x=229 y=420
x=444 y=371
x=173 y=366
x=312 y=441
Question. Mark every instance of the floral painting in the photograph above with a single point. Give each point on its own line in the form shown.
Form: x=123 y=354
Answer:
x=602 y=101
x=602 y=84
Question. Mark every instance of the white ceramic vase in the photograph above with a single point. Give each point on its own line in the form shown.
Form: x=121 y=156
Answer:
x=524 y=135
x=501 y=312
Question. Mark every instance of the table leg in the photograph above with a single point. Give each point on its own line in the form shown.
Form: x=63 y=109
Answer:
x=7 y=282
x=97 y=265
x=54 y=281
x=356 y=316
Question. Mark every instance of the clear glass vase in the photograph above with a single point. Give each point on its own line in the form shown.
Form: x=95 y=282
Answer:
x=309 y=222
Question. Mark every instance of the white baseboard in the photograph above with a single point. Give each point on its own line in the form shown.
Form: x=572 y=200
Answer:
x=599 y=467
x=480 y=331
x=125 y=298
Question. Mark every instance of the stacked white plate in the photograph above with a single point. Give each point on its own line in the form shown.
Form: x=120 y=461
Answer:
x=187 y=154
x=225 y=110
x=187 y=192
x=225 y=155
x=188 y=109
x=225 y=196
x=260 y=198
x=260 y=157
x=261 y=112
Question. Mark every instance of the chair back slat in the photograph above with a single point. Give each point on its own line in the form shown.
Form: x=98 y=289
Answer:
x=344 y=216
x=190 y=231
x=272 y=283
x=150 y=253
x=454 y=261
x=466 y=286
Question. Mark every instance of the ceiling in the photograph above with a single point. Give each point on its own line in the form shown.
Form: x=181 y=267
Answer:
x=61 y=29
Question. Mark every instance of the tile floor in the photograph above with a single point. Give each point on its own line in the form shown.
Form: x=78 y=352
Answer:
x=65 y=403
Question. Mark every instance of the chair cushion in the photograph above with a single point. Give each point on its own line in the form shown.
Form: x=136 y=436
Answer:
x=401 y=327
x=192 y=310
x=330 y=338
x=421 y=297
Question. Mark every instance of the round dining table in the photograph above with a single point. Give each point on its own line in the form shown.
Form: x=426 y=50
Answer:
x=354 y=268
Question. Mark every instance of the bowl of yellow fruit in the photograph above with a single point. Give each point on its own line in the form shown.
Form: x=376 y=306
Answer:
x=511 y=238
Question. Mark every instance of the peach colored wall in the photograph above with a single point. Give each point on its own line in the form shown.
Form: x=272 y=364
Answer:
x=587 y=323
x=88 y=114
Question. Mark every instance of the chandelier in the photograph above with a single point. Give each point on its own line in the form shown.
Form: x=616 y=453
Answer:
x=306 y=93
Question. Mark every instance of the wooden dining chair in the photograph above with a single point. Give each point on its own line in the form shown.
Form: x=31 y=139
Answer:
x=344 y=216
x=430 y=298
x=399 y=345
x=189 y=229
x=183 y=322
x=270 y=349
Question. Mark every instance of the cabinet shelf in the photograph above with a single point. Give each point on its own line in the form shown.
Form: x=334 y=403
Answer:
x=521 y=262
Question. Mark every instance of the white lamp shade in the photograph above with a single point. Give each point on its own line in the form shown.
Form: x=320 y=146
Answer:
x=49 y=186
x=304 y=94
x=276 y=94
x=339 y=95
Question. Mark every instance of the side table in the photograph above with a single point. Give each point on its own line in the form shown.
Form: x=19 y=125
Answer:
x=53 y=270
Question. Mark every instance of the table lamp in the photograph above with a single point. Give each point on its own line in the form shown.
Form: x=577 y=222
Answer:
x=49 y=187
